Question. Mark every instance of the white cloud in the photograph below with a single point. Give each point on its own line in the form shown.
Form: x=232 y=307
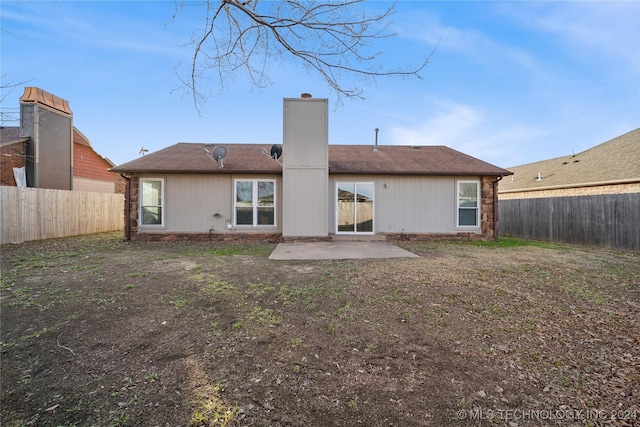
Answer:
x=60 y=24
x=471 y=43
x=595 y=30
x=545 y=78
x=445 y=128
x=473 y=131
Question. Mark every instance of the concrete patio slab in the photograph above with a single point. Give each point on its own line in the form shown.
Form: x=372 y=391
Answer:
x=338 y=250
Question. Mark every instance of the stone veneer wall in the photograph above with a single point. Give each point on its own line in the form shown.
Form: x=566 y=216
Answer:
x=486 y=207
x=134 y=185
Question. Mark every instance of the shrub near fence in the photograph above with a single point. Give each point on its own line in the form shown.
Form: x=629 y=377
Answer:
x=37 y=213
x=609 y=220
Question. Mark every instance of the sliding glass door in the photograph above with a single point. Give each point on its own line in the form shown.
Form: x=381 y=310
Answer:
x=354 y=207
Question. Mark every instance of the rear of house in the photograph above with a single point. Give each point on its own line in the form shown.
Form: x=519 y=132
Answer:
x=308 y=189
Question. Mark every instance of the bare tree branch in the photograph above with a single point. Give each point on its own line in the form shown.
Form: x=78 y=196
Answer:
x=9 y=114
x=330 y=38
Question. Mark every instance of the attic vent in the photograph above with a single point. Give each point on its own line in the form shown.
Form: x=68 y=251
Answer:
x=305 y=95
x=574 y=161
x=416 y=147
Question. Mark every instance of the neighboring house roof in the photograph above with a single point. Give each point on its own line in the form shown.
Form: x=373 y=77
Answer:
x=343 y=159
x=11 y=135
x=80 y=139
x=613 y=162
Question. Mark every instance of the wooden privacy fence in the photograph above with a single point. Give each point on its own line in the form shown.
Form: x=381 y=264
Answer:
x=37 y=213
x=609 y=220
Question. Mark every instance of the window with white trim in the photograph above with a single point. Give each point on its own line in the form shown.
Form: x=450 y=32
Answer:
x=468 y=203
x=152 y=202
x=254 y=203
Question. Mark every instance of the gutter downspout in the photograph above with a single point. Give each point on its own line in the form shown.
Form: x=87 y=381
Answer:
x=495 y=207
x=127 y=209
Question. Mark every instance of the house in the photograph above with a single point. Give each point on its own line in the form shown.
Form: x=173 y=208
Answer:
x=592 y=197
x=53 y=153
x=612 y=167
x=308 y=189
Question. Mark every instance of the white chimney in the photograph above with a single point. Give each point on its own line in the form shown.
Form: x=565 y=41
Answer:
x=305 y=170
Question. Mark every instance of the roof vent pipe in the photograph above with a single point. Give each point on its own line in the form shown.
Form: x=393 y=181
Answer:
x=375 y=147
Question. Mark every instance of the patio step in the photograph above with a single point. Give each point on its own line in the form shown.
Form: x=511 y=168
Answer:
x=358 y=238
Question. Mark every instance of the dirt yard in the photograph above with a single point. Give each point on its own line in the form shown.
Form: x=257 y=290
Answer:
x=99 y=332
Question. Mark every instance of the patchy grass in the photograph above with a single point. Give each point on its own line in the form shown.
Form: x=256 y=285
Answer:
x=96 y=331
x=513 y=242
x=256 y=249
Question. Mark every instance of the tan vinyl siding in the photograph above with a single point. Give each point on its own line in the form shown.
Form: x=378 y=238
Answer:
x=306 y=202
x=305 y=133
x=407 y=204
x=305 y=168
x=191 y=202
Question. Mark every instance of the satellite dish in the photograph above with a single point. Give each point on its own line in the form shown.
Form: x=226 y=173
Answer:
x=219 y=153
x=276 y=151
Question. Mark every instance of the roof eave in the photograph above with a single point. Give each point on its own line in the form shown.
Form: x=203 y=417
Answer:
x=419 y=173
x=219 y=171
x=568 y=186
x=22 y=139
x=223 y=171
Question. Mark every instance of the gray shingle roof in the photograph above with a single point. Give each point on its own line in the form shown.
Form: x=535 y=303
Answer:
x=191 y=158
x=614 y=161
x=10 y=135
x=343 y=159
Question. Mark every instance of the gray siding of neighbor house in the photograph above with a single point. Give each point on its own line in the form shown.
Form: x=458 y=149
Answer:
x=192 y=202
x=305 y=168
x=408 y=204
x=50 y=151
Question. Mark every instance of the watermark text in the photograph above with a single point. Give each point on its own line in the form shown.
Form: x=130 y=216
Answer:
x=548 y=414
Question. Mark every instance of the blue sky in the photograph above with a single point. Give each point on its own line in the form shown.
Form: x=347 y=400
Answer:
x=510 y=82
